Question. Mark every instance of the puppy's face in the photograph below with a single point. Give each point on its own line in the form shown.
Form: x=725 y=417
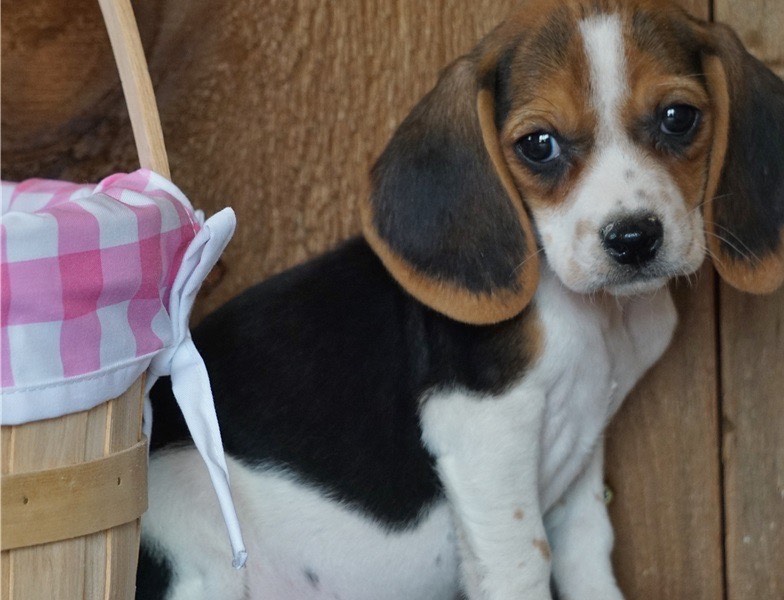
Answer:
x=623 y=138
x=605 y=123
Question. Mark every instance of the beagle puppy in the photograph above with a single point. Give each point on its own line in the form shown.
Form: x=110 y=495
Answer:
x=418 y=414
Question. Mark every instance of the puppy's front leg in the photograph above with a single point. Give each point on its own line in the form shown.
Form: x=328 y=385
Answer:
x=582 y=538
x=487 y=456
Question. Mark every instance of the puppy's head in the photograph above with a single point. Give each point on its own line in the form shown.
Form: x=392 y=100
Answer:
x=624 y=139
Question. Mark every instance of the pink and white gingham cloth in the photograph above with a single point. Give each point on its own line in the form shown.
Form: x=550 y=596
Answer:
x=97 y=284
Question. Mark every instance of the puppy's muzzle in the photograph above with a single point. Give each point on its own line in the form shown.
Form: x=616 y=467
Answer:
x=633 y=240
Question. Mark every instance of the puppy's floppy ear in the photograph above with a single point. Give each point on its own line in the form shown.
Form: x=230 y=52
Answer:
x=745 y=218
x=444 y=215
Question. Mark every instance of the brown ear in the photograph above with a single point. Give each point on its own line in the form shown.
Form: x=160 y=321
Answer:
x=444 y=215
x=745 y=216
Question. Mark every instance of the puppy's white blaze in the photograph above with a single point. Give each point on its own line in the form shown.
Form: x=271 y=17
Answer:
x=604 y=49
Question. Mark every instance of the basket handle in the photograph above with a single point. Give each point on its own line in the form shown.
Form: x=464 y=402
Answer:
x=136 y=83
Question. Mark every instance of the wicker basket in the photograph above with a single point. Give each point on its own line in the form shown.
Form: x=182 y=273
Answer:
x=74 y=488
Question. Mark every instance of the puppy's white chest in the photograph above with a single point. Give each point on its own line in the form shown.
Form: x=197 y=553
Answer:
x=595 y=351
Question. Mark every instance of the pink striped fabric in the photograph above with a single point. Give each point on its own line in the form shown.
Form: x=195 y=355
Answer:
x=85 y=275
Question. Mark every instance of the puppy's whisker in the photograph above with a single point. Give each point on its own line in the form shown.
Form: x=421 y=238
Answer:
x=730 y=244
x=704 y=202
x=744 y=250
x=520 y=266
x=716 y=259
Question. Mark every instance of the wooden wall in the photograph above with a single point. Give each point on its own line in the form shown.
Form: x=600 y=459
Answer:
x=278 y=108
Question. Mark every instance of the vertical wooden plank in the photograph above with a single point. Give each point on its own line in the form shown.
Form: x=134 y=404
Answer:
x=42 y=445
x=752 y=340
x=759 y=24
x=752 y=361
x=5 y=575
x=663 y=465
x=95 y=545
x=122 y=542
x=6 y=460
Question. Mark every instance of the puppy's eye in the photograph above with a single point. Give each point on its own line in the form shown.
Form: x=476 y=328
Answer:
x=679 y=119
x=540 y=147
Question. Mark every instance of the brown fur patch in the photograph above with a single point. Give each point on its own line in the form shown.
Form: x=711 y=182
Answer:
x=584 y=228
x=658 y=79
x=758 y=275
x=548 y=94
x=543 y=547
x=518 y=514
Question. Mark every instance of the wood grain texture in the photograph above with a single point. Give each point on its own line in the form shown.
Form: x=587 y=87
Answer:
x=98 y=494
x=94 y=566
x=52 y=570
x=62 y=104
x=752 y=363
x=120 y=24
x=752 y=342
x=663 y=465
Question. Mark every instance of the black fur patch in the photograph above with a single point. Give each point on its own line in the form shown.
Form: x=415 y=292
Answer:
x=320 y=370
x=749 y=207
x=549 y=47
x=153 y=577
x=437 y=200
x=498 y=82
x=532 y=58
x=312 y=578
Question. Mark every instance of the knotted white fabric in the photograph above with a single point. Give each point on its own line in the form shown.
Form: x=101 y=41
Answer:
x=189 y=378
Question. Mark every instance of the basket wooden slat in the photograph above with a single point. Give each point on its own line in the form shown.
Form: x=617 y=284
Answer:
x=97 y=495
x=99 y=565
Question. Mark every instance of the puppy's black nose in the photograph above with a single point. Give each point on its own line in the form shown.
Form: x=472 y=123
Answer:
x=634 y=240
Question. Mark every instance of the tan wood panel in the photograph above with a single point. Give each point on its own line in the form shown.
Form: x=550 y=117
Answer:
x=47 y=444
x=75 y=500
x=753 y=423
x=123 y=430
x=663 y=465
x=752 y=361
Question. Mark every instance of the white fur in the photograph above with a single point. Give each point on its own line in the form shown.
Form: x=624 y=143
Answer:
x=301 y=544
x=620 y=181
x=487 y=453
x=604 y=47
x=529 y=450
